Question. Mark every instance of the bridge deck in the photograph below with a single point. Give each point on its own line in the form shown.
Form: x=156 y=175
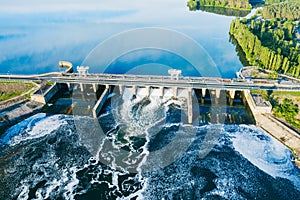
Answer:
x=161 y=81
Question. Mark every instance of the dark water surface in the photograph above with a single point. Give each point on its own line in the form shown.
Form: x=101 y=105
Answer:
x=142 y=151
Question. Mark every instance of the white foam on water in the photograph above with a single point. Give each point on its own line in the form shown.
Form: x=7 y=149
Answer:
x=34 y=127
x=65 y=183
x=59 y=180
x=168 y=93
x=71 y=182
x=145 y=116
x=18 y=128
x=264 y=152
x=68 y=181
x=225 y=188
x=105 y=114
x=111 y=95
x=24 y=192
x=143 y=180
x=155 y=92
x=139 y=123
x=182 y=92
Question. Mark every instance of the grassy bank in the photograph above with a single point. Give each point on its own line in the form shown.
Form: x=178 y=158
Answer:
x=285 y=105
x=11 y=89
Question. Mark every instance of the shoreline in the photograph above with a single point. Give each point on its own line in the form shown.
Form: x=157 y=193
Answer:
x=17 y=109
x=6 y=104
x=24 y=110
x=228 y=7
x=275 y=128
x=279 y=131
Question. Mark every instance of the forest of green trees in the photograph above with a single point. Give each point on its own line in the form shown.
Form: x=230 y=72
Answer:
x=268 y=40
x=269 y=2
x=225 y=11
x=270 y=43
x=287 y=10
x=288 y=111
x=237 y=4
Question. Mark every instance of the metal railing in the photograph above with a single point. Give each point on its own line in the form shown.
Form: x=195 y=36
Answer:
x=159 y=81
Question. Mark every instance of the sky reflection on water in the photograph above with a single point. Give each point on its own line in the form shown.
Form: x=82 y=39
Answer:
x=35 y=36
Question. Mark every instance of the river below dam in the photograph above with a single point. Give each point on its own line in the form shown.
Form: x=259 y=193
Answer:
x=139 y=147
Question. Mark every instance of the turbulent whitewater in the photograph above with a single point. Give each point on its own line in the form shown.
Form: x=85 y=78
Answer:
x=67 y=157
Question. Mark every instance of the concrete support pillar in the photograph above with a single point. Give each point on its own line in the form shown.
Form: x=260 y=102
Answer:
x=202 y=100
x=161 y=92
x=148 y=90
x=175 y=90
x=95 y=88
x=231 y=97
x=244 y=93
x=83 y=96
x=232 y=94
x=134 y=90
x=121 y=89
x=190 y=106
x=217 y=118
x=98 y=106
x=108 y=87
x=81 y=87
x=203 y=91
x=230 y=101
x=217 y=95
x=69 y=86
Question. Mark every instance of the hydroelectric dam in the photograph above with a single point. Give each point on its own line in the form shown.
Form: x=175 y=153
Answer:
x=217 y=87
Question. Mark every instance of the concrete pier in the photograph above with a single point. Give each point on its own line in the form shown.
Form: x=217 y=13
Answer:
x=161 y=92
x=98 y=106
x=81 y=87
x=175 y=90
x=231 y=97
x=256 y=109
x=69 y=87
x=95 y=88
x=203 y=94
x=121 y=89
x=134 y=90
x=231 y=94
x=148 y=89
x=190 y=105
x=217 y=95
x=44 y=95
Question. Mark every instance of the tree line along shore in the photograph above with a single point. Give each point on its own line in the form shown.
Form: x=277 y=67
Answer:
x=271 y=38
x=235 y=4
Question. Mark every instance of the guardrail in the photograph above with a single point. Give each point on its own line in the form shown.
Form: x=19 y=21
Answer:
x=154 y=80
